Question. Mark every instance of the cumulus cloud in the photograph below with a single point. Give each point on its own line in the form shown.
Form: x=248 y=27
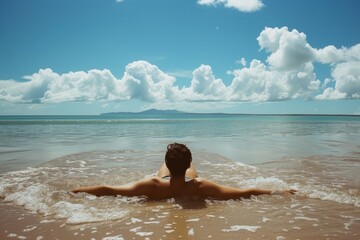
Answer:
x=141 y=80
x=31 y=91
x=289 y=49
x=347 y=82
x=331 y=55
x=47 y=86
x=147 y=82
x=347 y=76
x=345 y=72
x=240 y=5
x=204 y=86
x=287 y=73
x=259 y=83
x=290 y=52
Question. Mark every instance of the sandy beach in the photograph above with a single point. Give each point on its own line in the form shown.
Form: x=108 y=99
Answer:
x=36 y=203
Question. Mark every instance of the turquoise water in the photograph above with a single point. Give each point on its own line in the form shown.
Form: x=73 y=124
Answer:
x=42 y=157
x=31 y=140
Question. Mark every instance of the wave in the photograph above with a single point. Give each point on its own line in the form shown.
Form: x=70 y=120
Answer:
x=44 y=189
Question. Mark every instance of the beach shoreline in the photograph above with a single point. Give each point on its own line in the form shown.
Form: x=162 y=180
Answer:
x=251 y=219
x=43 y=160
x=301 y=216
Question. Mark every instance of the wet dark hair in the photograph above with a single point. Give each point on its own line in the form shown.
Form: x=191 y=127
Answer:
x=178 y=158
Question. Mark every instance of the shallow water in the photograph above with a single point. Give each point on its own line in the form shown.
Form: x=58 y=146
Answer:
x=43 y=157
x=327 y=204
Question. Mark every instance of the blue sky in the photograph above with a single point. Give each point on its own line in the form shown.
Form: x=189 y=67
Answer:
x=94 y=56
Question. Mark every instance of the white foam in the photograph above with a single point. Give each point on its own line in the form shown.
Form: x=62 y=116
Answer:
x=241 y=227
x=265 y=183
x=37 y=189
x=347 y=225
x=328 y=194
x=306 y=218
x=29 y=198
x=144 y=234
x=135 y=229
x=193 y=220
x=79 y=213
x=118 y=237
x=141 y=234
x=30 y=228
x=152 y=222
x=47 y=221
x=191 y=232
x=134 y=220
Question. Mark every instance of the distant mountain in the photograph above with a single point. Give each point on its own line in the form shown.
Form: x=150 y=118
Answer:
x=176 y=112
x=163 y=112
x=148 y=112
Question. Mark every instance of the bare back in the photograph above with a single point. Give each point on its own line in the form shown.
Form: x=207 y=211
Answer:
x=163 y=186
x=162 y=189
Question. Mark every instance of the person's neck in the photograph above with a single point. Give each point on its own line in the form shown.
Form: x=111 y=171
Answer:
x=177 y=180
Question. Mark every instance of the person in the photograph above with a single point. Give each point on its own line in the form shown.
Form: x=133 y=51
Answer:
x=177 y=177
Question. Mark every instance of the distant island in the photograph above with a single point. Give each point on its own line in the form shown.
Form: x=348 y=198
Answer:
x=176 y=112
x=165 y=112
x=149 y=112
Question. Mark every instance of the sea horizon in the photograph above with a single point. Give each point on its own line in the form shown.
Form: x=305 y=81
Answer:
x=189 y=113
x=43 y=156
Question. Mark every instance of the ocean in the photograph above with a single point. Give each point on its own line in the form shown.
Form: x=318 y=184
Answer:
x=43 y=157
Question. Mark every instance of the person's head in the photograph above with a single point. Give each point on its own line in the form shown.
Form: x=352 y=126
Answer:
x=177 y=159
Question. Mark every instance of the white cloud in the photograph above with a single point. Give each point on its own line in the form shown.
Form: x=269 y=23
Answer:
x=330 y=94
x=83 y=86
x=204 y=86
x=347 y=86
x=326 y=82
x=288 y=73
x=289 y=50
x=208 y=2
x=240 y=5
x=345 y=72
x=347 y=76
x=242 y=61
x=141 y=80
x=147 y=82
x=258 y=83
x=181 y=73
x=30 y=91
x=331 y=55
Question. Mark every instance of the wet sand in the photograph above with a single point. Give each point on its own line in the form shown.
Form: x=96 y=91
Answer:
x=279 y=218
x=36 y=205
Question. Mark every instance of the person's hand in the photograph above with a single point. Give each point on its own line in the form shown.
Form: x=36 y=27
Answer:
x=291 y=191
x=280 y=192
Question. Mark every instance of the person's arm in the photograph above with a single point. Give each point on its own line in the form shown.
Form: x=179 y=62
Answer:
x=213 y=190
x=140 y=188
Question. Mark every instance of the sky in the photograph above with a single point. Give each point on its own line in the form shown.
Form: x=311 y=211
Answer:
x=230 y=56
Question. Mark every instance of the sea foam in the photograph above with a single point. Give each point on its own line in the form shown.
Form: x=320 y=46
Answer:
x=37 y=190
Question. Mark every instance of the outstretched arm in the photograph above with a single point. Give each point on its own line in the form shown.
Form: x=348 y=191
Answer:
x=140 y=188
x=211 y=189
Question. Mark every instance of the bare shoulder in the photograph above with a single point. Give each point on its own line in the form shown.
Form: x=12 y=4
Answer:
x=203 y=182
x=150 y=181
